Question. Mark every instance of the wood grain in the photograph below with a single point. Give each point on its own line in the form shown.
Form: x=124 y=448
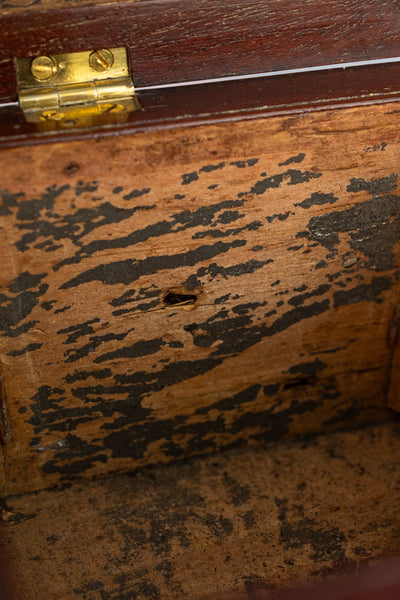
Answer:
x=205 y=40
x=183 y=291
x=18 y=6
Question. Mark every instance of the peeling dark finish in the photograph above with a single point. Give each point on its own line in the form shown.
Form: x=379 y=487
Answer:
x=149 y=324
x=293 y=159
x=328 y=543
x=376 y=243
x=370 y=292
x=28 y=348
x=128 y=271
x=317 y=199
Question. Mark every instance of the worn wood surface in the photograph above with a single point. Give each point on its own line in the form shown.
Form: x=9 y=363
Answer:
x=177 y=40
x=175 y=293
x=239 y=526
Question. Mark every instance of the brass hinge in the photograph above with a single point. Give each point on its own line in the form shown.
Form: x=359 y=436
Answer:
x=69 y=88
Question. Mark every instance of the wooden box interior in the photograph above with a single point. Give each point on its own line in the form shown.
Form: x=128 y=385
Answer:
x=201 y=302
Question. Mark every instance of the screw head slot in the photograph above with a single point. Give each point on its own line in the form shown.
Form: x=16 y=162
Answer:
x=101 y=60
x=43 y=67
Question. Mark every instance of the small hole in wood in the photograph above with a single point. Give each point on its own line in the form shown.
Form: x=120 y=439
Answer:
x=177 y=298
x=72 y=168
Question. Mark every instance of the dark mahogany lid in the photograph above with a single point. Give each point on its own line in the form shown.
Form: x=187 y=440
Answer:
x=223 y=53
x=172 y=41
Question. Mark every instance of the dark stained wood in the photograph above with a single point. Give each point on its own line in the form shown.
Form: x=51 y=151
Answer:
x=177 y=292
x=220 y=102
x=179 y=40
x=18 y=6
x=239 y=526
x=6 y=586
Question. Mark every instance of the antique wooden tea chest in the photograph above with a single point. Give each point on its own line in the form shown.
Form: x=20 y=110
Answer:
x=200 y=253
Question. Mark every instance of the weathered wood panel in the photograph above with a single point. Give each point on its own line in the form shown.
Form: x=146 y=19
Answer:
x=240 y=526
x=177 y=292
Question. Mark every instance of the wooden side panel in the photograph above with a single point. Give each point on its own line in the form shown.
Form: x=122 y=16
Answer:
x=173 y=293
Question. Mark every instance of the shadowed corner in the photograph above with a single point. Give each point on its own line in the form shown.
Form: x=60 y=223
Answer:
x=380 y=582
x=7 y=591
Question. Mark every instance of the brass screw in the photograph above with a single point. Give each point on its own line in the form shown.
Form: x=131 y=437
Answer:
x=101 y=60
x=43 y=67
